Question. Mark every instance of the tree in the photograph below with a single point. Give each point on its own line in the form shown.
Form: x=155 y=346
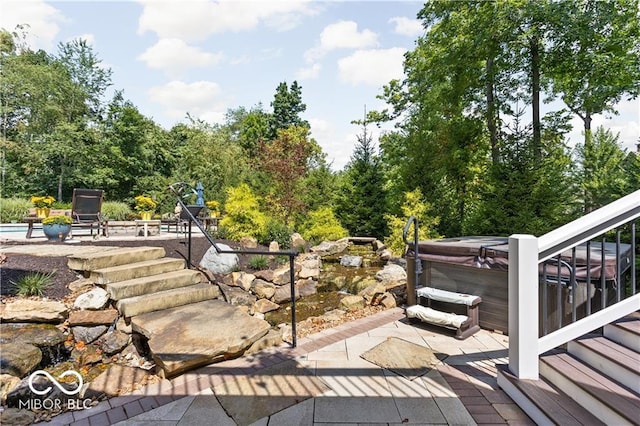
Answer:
x=287 y=106
x=594 y=59
x=601 y=171
x=362 y=202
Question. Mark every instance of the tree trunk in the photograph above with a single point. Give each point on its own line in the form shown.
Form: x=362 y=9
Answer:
x=535 y=101
x=491 y=115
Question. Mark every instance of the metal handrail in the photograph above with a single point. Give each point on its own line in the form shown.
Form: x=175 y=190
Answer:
x=177 y=188
x=411 y=290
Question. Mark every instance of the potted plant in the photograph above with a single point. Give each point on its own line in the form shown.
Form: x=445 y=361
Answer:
x=145 y=206
x=42 y=205
x=56 y=227
x=213 y=208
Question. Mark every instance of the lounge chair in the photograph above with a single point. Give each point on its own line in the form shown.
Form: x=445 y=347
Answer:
x=86 y=208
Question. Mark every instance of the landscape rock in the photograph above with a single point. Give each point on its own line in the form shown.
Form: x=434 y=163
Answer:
x=331 y=247
x=372 y=291
x=88 y=334
x=19 y=359
x=283 y=294
x=248 y=242
x=387 y=300
x=274 y=246
x=391 y=273
x=27 y=310
x=219 y=263
x=235 y=296
x=17 y=417
x=265 y=274
x=113 y=342
x=93 y=300
x=7 y=384
x=281 y=276
x=306 y=287
x=81 y=285
x=86 y=355
x=89 y=318
x=263 y=306
x=351 y=261
x=122 y=325
x=269 y=340
x=242 y=280
x=378 y=245
x=210 y=331
x=40 y=335
x=297 y=242
x=352 y=303
x=263 y=289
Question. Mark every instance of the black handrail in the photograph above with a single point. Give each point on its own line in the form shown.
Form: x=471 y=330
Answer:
x=178 y=189
x=411 y=287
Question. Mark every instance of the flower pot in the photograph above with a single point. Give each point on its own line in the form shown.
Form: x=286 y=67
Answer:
x=42 y=212
x=56 y=232
x=146 y=215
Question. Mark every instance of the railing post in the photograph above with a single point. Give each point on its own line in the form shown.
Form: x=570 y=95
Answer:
x=523 y=306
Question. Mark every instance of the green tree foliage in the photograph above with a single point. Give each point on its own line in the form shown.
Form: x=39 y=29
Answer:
x=248 y=128
x=414 y=205
x=601 y=171
x=242 y=215
x=322 y=225
x=362 y=201
x=287 y=106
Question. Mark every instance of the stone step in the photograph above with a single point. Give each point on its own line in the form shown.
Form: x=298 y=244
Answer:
x=166 y=299
x=136 y=270
x=114 y=257
x=154 y=283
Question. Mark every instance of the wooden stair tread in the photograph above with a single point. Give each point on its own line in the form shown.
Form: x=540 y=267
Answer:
x=613 y=351
x=600 y=387
x=630 y=323
x=554 y=403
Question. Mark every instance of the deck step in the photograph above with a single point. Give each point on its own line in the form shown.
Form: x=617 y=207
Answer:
x=611 y=402
x=136 y=270
x=625 y=331
x=114 y=257
x=544 y=403
x=617 y=361
x=158 y=301
x=154 y=283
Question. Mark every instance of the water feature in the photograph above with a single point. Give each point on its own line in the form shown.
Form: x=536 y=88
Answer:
x=336 y=281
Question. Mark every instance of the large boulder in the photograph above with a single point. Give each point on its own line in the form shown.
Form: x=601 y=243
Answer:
x=93 y=300
x=209 y=331
x=19 y=359
x=331 y=247
x=391 y=274
x=219 y=263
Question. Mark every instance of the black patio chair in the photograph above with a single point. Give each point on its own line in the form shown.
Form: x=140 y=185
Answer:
x=86 y=209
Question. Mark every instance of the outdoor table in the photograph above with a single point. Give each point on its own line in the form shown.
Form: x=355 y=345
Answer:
x=33 y=222
x=145 y=224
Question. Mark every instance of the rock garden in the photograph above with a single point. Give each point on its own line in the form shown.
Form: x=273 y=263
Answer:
x=82 y=328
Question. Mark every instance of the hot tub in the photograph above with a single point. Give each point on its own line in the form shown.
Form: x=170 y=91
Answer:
x=478 y=265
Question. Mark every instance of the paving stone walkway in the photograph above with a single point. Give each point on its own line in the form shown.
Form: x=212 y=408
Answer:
x=325 y=381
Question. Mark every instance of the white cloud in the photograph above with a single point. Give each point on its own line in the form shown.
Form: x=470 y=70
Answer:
x=200 y=99
x=175 y=56
x=197 y=19
x=341 y=35
x=43 y=21
x=374 y=67
x=309 y=73
x=407 y=27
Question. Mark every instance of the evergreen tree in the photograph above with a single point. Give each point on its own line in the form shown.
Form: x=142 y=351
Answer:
x=287 y=106
x=362 y=202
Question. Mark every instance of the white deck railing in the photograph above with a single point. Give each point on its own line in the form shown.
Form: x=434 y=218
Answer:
x=525 y=254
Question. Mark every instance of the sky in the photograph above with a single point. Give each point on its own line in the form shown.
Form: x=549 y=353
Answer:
x=172 y=58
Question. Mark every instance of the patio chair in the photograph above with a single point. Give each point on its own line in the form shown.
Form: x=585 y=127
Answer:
x=86 y=208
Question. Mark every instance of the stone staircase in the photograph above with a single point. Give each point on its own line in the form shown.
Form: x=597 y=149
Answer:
x=596 y=380
x=142 y=279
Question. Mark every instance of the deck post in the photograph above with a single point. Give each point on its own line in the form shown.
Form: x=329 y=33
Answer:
x=523 y=306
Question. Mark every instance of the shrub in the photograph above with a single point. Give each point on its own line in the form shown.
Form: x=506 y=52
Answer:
x=258 y=262
x=277 y=230
x=32 y=284
x=115 y=210
x=322 y=225
x=13 y=209
x=243 y=217
x=414 y=205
